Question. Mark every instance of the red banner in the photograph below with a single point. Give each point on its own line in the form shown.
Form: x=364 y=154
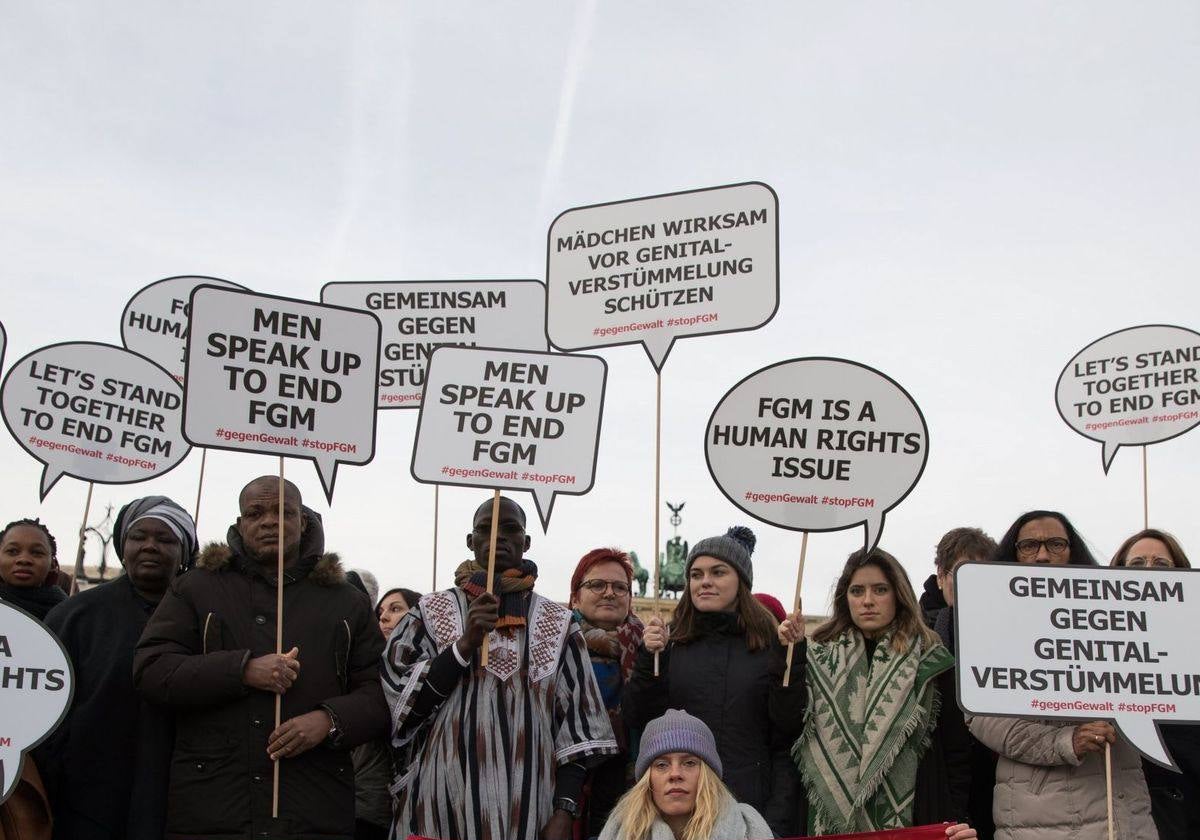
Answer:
x=921 y=832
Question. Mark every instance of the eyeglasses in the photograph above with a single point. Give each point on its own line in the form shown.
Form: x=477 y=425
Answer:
x=1054 y=545
x=599 y=587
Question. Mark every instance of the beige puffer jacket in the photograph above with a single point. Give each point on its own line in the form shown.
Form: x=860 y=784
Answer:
x=1044 y=792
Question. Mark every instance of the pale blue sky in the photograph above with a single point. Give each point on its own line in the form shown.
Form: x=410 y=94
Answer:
x=969 y=193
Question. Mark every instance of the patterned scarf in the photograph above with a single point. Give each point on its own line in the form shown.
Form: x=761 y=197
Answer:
x=868 y=723
x=620 y=645
x=510 y=587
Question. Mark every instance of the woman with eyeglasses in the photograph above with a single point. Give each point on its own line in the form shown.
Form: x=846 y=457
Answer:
x=1050 y=777
x=602 y=599
x=1174 y=797
x=720 y=661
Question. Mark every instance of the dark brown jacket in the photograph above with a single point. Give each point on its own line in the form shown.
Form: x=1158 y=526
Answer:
x=191 y=657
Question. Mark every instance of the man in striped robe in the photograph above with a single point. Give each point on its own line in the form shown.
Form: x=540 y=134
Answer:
x=495 y=753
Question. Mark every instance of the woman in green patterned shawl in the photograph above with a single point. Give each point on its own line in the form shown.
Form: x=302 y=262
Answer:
x=874 y=749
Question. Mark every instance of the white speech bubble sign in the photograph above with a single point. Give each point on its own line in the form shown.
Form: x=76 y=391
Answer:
x=155 y=321
x=1133 y=387
x=505 y=419
x=817 y=444
x=96 y=412
x=36 y=686
x=282 y=376
x=418 y=317
x=1080 y=642
x=651 y=270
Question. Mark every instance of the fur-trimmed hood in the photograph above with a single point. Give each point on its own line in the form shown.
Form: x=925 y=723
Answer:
x=327 y=572
x=324 y=568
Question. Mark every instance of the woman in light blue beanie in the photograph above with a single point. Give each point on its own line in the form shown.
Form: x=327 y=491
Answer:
x=679 y=794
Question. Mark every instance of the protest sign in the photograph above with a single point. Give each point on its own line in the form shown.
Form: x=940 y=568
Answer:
x=281 y=376
x=651 y=270
x=1080 y=642
x=817 y=444
x=94 y=411
x=1133 y=387
x=512 y=420
x=36 y=685
x=155 y=321
x=419 y=317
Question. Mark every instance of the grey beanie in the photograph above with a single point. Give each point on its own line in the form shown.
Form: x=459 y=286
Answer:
x=677 y=731
x=734 y=547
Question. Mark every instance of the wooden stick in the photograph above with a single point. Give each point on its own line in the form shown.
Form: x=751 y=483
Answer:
x=787 y=674
x=1145 y=490
x=1108 y=786
x=200 y=487
x=657 y=489
x=491 y=571
x=87 y=508
x=436 y=494
x=278 y=635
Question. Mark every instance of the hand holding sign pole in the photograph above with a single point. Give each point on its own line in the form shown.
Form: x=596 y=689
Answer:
x=650 y=270
x=281 y=376
x=817 y=444
x=1133 y=387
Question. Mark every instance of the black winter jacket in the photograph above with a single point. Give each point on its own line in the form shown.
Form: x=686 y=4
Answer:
x=730 y=688
x=191 y=657
x=108 y=725
x=982 y=766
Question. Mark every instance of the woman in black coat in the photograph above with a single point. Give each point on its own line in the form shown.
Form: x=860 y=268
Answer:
x=721 y=663
x=106 y=765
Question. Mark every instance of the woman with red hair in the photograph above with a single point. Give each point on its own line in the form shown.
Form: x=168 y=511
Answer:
x=601 y=595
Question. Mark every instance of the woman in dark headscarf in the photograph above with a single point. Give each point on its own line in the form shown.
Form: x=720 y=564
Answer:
x=106 y=766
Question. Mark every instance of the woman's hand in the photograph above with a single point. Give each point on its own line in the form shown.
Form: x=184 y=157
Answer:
x=961 y=831
x=1091 y=737
x=792 y=628
x=654 y=637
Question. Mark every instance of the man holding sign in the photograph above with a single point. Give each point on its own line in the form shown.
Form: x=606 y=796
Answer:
x=497 y=750
x=208 y=652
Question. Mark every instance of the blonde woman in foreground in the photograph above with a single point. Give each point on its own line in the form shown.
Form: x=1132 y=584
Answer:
x=679 y=794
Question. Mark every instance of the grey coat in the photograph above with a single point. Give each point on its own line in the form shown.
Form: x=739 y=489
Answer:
x=1045 y=792
x=737 y=822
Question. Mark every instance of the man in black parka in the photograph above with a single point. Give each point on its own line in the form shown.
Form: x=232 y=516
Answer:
x=208 y=652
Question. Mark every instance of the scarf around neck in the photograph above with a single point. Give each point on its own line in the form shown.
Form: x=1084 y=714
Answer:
x=35 y=600
x=509 y=587
x=869 y=721
x=620 y=645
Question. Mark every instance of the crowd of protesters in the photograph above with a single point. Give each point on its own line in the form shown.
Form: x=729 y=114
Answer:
x=490 y=712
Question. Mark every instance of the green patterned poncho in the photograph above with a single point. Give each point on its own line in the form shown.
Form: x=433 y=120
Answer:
x=869 y=720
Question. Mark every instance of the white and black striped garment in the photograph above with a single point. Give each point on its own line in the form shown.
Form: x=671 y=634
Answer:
x=481 y=759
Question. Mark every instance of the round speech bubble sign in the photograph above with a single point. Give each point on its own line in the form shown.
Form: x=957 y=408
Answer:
x=1133 y=387
x=96 y=412
x=817 y=444
x=155 y=321
x=35 y=691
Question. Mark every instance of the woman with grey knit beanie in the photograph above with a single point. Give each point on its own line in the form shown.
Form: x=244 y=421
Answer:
x=720 y=661
x=679 y=794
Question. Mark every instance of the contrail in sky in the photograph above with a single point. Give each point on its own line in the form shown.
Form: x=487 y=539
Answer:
x=585 y=15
